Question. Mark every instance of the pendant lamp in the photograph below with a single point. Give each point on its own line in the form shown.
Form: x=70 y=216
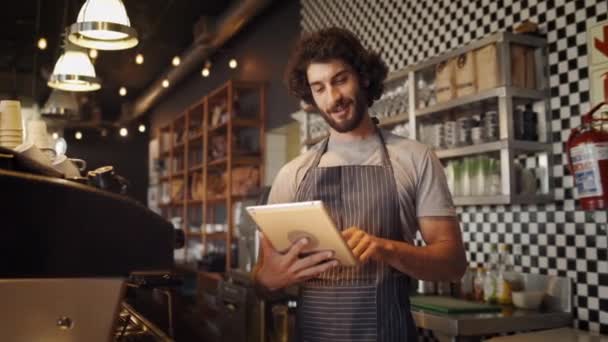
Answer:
x=103 y=25
x=74 y=72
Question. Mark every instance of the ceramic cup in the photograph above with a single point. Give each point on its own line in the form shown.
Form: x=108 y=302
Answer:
x=31 y=151
x=68 y=166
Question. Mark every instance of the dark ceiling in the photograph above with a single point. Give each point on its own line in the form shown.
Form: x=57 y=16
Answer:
x=165 y=29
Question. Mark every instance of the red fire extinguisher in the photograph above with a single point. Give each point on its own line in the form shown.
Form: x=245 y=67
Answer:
x=587 y=150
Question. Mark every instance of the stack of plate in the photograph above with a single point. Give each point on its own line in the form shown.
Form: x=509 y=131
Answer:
x=11 y=129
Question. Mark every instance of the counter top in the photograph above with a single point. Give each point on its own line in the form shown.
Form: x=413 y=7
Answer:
x=476 y=324
x=555 y=335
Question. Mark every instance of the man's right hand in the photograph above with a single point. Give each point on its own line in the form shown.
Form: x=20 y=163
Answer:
x=280 y=270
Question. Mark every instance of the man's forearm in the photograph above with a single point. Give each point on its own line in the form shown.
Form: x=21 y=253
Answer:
x=441 y=261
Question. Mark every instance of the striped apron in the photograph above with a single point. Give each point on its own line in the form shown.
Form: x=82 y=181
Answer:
x=369 y=302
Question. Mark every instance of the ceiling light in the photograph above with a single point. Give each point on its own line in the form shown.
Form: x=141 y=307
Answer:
x=60 y=105
x=74 y=72
x=103 y=25
x=78 y=135
x=165 y=83
x=55 y=135
x=139 y=59
x=122 y=91
x=42 y=43
x=233 y=64
x=175 y=61
x=93 y=53
x=123 y=132
x=142 y=128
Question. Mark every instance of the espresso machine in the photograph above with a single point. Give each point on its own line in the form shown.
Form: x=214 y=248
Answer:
x=86 y=255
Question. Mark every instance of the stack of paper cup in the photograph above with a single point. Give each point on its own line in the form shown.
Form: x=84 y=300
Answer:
x=11 y=130
x=38 y=135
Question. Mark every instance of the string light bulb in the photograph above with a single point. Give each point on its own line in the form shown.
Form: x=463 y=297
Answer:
x=122 y=91
x=139 y=58
x=124 y=132
x=142 y=128
x=42 y=44
x=55 y=135
x=176 y=60
x=165 y=83
x=233 y=63
x=205 y=72
x=78 y=135
x=93 y=53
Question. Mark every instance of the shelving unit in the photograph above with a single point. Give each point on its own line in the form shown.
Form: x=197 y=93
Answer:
x=504 y=97
x=399 y=106
x=193 y=135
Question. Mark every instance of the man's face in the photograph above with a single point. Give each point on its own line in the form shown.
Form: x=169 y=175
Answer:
x=335 y=88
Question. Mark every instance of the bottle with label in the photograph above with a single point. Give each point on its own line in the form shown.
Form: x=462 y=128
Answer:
x=466 y=284
x=478 y=283
x=503 y=285
x=489 y=284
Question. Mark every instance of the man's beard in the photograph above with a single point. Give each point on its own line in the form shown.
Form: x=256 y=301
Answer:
x=358 y=108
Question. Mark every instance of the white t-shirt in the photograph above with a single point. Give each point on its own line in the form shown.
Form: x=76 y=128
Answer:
x=421 y=184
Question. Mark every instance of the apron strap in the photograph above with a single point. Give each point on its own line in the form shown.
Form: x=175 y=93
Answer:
x=386 y=160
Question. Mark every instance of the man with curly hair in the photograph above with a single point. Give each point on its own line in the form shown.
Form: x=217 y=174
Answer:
x=380 y=190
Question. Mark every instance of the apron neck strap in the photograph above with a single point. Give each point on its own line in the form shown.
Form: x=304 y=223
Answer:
x=386 y=161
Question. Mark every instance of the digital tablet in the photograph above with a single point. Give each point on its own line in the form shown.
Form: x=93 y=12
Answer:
x=284 y=224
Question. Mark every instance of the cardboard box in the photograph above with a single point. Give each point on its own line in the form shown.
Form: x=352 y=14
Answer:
x=466 y=83
x=444 y=80
x=487 y=67
x=518 y=65
x=530 y=69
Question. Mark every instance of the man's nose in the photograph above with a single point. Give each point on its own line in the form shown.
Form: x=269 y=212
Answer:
x=335 y=96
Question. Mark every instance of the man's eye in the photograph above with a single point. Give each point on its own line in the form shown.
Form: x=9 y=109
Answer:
x=317 y=90
x=341 y=80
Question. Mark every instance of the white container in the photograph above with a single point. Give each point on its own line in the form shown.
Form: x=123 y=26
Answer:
x=530 y=300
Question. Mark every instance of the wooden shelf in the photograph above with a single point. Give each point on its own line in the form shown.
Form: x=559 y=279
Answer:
x=236 y=123
x=192 y=128
x=216 y=236
x=237 y=160
x=164 y=178
x=219 y=199
x=177 y=174
x=196 y=139
x=198 y=167
x=171 y=204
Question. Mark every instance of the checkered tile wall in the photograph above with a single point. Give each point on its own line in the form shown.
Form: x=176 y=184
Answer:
x=556 y=239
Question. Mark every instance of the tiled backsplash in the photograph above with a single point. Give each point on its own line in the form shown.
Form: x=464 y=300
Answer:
x=554 y=239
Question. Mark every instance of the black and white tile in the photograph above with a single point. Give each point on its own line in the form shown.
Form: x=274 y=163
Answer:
x=556 y=239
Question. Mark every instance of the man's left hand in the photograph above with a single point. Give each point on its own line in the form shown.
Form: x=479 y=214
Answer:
x=363 y=245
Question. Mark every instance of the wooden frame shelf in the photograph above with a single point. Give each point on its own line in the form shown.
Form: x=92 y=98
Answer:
x=236 y=123
x=193 y=128
x=198 y=167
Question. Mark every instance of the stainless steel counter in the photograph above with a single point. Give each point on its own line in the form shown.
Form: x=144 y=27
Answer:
x=556 y=313
x=453 y=326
